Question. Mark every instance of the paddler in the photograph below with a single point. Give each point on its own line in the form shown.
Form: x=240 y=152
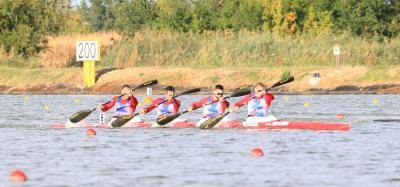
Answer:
x=124 y=105
x=210 y=111
x=258 y=104
x=171 y=106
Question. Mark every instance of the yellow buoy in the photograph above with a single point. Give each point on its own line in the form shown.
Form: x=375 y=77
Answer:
x=26 y=98
x=46 y=107
x=148 y=100
x=77 y=101
x=307 y=104
x=286 y=98
x=139 y=104
x=375 y=101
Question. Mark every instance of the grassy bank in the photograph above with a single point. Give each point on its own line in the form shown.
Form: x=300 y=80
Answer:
x=69 y=79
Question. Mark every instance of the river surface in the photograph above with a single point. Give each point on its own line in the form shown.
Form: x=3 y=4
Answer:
x=367 y=155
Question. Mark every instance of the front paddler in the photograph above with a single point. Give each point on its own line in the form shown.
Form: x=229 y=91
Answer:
x=124 y=105
x=171 y=106
x=258 y=104
x=211 y=111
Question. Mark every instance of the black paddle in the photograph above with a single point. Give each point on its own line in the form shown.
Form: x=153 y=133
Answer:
x=210 y=123
x=242 y=91
x=79 y=116
x=119 y=122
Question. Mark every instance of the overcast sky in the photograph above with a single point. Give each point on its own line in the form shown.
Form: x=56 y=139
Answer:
x=75 y=2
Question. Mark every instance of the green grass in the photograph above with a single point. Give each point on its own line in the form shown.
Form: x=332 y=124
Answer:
x=380 y=73
x=10 y=76
x=250 y=49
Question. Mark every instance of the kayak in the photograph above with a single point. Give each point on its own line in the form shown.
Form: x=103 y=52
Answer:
x=279 y=124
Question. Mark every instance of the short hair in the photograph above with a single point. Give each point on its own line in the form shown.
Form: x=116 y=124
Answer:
x=259 y=84
x=170 y=88
x=126 y=86
x=219 y=87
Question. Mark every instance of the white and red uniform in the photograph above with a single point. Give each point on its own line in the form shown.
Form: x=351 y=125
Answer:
x=257 y=108
x=121 y=106
x=212 y=110
x=167 y=108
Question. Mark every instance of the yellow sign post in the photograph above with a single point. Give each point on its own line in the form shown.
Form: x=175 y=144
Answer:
x=88 y=52
x=89 y=72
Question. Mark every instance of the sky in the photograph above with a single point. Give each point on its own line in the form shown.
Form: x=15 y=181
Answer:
x=75 y=2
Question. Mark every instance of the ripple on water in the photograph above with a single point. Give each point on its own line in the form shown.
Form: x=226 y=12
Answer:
x=368 y=155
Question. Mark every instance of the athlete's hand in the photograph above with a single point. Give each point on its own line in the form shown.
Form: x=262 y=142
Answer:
x=100 y=106
x=190 y=109
x=143 y=111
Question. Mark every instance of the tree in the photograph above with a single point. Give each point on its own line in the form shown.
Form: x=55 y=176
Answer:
x=238 y=14
x=280 y=16
x=98 y=13
x=317 y=23
x=206 y=15
x=133 y=15
x=25 y=24
x=363 y=17
x=174 y=14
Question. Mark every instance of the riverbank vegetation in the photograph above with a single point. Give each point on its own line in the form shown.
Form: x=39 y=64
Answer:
x=202 y=33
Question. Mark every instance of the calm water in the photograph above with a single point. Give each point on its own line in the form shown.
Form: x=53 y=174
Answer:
x=368 y=155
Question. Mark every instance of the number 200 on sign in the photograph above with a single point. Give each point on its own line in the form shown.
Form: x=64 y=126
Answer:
x=87 y=50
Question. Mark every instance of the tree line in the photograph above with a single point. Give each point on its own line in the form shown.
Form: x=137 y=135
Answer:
x=25 y=24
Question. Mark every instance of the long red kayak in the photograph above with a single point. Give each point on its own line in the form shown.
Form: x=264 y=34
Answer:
x=280 y=124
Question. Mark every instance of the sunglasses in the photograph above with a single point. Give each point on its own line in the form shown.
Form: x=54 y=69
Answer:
x=259 y=91
x=221 y=93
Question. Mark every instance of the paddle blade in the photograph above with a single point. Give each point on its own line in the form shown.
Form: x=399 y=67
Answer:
x=119 y=122
x=282 y=82
x=166 y=119
x=79 y=116
x=146 y=84
x=210 y=123
x=242 y=91
x=189 y=92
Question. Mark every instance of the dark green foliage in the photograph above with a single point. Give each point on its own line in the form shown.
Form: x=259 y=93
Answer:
x=133 y=15
x=24 y=24
x=365 y=17
x=100 y=14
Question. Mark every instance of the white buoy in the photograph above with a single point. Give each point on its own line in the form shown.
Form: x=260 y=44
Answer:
x=149 y=91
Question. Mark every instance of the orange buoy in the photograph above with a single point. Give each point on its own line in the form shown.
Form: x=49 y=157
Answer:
x=18 y=176
x=340 y=116
x=257 y=152
x=90 y=132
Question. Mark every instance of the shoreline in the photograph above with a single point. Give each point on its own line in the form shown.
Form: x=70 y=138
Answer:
x=330 y=80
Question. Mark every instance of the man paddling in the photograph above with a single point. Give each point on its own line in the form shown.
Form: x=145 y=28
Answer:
x=210 y=111
x=124 y=105
x=258 y=104
x=169 y=107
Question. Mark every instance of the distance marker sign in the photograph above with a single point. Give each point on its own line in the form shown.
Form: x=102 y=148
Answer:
x=87 y=50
